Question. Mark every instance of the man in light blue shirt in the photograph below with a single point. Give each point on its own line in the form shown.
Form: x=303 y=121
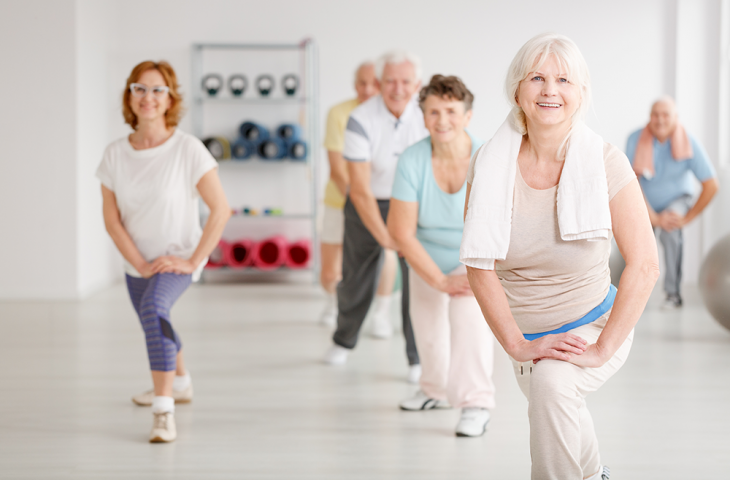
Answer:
x=670 y=190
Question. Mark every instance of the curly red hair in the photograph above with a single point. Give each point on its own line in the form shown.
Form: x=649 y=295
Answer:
x=175 y=112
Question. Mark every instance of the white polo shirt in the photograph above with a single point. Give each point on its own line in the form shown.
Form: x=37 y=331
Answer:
x=373 y=134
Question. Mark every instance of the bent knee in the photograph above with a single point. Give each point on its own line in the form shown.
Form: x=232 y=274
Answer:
x=553 y=382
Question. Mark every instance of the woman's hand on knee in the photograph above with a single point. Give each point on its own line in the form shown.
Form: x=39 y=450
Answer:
x=455 y=285
x=561 y=346
x=593 y=357
x=146 y=270
x=173 y=264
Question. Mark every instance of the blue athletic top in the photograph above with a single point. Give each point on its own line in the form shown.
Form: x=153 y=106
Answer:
x=672 y=179
x=440 y=214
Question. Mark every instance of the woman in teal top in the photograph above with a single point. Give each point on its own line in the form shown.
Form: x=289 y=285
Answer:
x=426 y=221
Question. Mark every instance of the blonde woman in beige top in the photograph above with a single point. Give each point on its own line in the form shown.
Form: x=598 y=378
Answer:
x=546 y=283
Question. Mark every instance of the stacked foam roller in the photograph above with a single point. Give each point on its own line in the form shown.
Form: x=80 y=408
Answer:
x=255 y=139
x=265 y=255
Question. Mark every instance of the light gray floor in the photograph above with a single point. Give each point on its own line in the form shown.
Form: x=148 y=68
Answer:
x=265 y=408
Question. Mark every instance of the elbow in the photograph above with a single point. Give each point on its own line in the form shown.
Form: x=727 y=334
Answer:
x=649 y=271
x=398 y=238
x=653 y=272
x=111 y=226
x=357 y=196
x=223 y=212
x=714 y=186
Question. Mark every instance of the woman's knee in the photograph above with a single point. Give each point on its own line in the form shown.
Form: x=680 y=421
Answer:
x=552 y=383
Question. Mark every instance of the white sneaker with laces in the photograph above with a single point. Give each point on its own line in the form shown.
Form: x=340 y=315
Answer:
x=336 y=355
x=163 y=428
x=420 y=401
x=414 y=373
x=473 y=422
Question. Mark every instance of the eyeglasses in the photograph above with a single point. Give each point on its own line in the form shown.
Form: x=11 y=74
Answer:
x=140 y=90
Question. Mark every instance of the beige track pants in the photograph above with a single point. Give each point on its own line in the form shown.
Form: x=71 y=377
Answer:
x=563 y=443
x=455 y=345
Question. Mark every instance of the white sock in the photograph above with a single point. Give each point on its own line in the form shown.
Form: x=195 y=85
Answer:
x=332 y=303
x=163 y=404
x=181 y=382
x=382 y=305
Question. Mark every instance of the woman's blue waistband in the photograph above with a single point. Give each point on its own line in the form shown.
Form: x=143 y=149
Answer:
x=589 y=317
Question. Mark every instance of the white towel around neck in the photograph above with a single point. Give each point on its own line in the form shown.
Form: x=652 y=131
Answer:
x=583 y=212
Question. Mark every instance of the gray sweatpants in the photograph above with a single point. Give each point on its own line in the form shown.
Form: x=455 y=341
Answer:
x=362 y=259
x=672 y=243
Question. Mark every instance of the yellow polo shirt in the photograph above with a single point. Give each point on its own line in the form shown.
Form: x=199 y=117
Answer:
x=334 y=141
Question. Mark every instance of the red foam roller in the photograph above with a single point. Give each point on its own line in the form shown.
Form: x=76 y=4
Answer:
x=240 y=253
x=270 y=254
x=217 y=257
x=298 y=254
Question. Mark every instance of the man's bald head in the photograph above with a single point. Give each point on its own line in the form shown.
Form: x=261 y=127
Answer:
x=366 y=84
x=665 y=102
x=663 y=118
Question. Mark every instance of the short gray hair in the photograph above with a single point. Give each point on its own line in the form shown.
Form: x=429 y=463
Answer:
x=396 y=57
x=531 y=56
x=366 y=63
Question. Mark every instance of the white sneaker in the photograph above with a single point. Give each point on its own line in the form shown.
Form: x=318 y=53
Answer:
x=473 y=422
x=414 y=374
x=382 y=328
x=144 y=399
x=420 y=401
x=336 y=355
x=163 y=428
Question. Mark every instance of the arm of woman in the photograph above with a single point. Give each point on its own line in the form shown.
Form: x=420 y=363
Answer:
x=211 y=191
x=635 y=240
x=402 y=226
x=493 y=302
x=120 y=236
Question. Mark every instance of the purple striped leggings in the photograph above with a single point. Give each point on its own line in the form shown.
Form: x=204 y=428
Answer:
x=152 y=299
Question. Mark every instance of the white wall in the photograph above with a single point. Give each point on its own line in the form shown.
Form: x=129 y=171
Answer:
x=475 y=40
x=75 y=56
x=698 y=50
x=38 y=145
x=98 y=262
x=631 y=56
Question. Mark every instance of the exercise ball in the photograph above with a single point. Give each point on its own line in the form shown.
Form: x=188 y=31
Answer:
x=616 y=263
x=715 y=281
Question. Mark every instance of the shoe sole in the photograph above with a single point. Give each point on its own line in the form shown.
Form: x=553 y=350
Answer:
x=424 y=407
x=459 y=434
x=160 y=440
x=184 y=400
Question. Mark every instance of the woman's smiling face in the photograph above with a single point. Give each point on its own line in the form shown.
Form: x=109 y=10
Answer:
x=547 y=96
x=150 y=107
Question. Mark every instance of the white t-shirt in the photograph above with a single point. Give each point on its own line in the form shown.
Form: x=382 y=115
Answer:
x=373 y=134
x=157 y=196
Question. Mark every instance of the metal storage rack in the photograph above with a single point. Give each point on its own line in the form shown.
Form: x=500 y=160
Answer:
x=306 y=101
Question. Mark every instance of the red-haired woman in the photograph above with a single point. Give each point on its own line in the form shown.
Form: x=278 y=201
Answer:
x=151 y=182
